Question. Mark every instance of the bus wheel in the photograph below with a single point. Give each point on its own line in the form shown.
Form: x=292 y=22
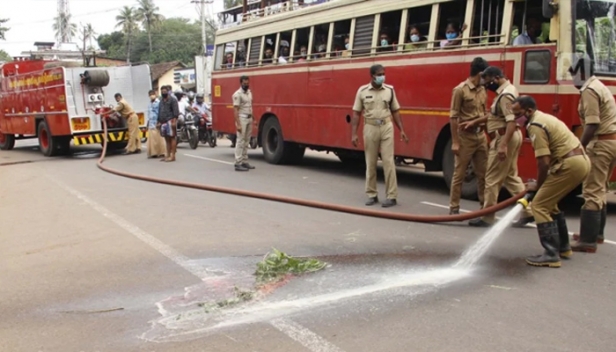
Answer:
x=469 y=185
x=275 y=149
x=47 y=143
x=7 y=141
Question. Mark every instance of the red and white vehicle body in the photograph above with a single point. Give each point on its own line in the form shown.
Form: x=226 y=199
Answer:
x=308 y=103
x=57 y=103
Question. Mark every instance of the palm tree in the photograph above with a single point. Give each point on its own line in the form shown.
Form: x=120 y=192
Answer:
x=148 y=16
x=87 y=34
x=3 y=30
x=63 y=28
x=127 y=20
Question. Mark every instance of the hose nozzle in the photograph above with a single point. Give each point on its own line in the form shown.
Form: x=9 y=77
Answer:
x=528 y=197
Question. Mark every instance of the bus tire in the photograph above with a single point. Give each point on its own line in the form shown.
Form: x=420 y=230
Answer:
x=48 y=144
x=7 y=141
x=469 y=186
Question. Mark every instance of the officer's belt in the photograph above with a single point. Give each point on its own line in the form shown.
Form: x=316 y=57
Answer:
x=574 y=152
x=377 y=122
x=607 y=137
x=247 y=116
x=474 y=130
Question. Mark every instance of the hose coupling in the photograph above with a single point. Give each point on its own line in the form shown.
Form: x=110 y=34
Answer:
x=528 y=197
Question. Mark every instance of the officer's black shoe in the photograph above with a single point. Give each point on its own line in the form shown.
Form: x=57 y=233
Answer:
x=240 y=168
x=590 y=222
x=548 y=236
x=454 y=211
x=479 y=223
x=600 y=237
x=372 y=201
x=563 y=235
x=522 y=222
x=248 y=166
x=389 y=203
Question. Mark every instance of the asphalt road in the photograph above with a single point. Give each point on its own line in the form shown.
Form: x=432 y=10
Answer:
x=96 y=262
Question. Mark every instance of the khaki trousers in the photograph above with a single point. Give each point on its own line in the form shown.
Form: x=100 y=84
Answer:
x=243 y=141
x=503 y=173
x=473 y=148
x=602 y=155
x=134 y=140
x=562 y=178
x=380 y=138
x=156 y=143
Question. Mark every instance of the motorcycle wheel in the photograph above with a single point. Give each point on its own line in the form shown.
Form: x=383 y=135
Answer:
x=193 y=139
x=212 y=140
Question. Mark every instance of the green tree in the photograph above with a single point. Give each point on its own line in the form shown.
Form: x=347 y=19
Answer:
x=86 y=34
x=127 y=20
x=3 y=29
x=4 y=56
x=113 y=43
x=174 y=39
x=149 y=18
x=58 y=24
x=232 y=3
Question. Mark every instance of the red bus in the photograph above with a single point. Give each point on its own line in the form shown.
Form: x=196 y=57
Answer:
x=305 y=101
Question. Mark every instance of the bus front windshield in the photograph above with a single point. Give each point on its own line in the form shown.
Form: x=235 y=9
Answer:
x=595 y=33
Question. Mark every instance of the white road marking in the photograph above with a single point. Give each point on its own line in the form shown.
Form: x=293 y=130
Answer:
x=468 y=211
x=293 y=330
x=209 y=159
x=307 y=338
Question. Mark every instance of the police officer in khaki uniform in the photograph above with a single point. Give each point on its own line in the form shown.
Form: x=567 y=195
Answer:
x=597 y=110
x=242 y=105
x=132 y=120
x=468 y=144
x=562 y=165
x=378 y=103
x=505 y=143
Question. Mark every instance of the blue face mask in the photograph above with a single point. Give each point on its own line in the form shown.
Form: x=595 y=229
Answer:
x=379 y=80
x=414 y=38
x=384 y=42
x=451 y=36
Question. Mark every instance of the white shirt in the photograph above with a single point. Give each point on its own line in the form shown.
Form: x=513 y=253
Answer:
x=182 y=105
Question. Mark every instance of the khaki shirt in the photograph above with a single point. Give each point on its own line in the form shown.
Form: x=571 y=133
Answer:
x=468 y=101
x=243 y=100
x=597 y=106
x=501 y=114
x=550 y=136
x=124 y=109
x=376 y=103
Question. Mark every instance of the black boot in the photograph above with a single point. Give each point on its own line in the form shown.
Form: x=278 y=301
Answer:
x=548 y=236
x=590 y=221
x=600 y=237
x=563 y=235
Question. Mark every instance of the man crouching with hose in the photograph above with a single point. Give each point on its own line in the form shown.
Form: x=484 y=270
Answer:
x=562 y=165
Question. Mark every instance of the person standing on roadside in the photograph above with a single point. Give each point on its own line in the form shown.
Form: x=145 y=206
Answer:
x=168 y=113
x=378 y=103
x=156 y=143
x=504 y=147
x=468 y=142
x=562 y=165
x=597 y=109
x=242 y=107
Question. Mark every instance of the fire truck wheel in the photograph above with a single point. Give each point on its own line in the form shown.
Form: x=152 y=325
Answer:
x=469 y=186
x=7 y=141
x=117 y=146
x=49 y=145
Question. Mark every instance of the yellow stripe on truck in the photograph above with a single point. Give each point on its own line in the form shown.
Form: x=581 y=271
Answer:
x=113 y=137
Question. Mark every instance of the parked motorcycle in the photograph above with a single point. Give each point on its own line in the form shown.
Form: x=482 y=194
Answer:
x=206 y=133
x=187 y=131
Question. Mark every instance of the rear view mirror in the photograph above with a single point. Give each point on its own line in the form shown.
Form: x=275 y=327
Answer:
x=550 y=7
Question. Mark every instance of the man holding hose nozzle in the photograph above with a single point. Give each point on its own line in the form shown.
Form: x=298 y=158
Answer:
x=504 y=147
x=562 y=165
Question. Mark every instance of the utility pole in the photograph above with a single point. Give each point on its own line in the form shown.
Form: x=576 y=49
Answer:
x=202 y=63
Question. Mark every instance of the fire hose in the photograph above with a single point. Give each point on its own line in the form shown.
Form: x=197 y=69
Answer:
x=311 y=203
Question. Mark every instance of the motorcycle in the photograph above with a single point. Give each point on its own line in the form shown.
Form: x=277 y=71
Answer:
x=187 y=131
x=206 y=133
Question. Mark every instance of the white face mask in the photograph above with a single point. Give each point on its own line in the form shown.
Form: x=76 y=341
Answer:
x=346 y=46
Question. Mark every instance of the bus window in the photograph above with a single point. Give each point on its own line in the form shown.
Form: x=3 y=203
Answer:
x=319 y=47
x=268 y=49
x=255 y=51
x=284 y=47
x=224 y=56
x=340 y=41
x=418 y=28
x=300 y=52
x=389 y=31
x=487 y=23
x=451 y=24
x=362 y=39
x=220 y=54
x=528 y=26
x=595 y=33
x=240 y=55
x=537 y=66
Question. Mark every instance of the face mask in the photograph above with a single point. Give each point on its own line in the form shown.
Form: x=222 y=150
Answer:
x=451 y=36
x=379 y=80
x=522 y=120
x=384 y=42
x=303 y=54
x=165 y=95
x=346 y=46
x=245 y=87
x=414 y=38
x=493 y=86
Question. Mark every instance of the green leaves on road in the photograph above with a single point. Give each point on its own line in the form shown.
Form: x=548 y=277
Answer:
x=277 y=264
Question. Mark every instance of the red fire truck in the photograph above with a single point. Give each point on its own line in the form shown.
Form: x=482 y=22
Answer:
x=59 y=103
x=305 y=101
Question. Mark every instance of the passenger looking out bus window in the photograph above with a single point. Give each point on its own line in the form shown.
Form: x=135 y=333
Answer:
x=268 y=56
x=417 y=41
x=303 y=53
x=453 y=36
x=532 y=33
x=385 y=44
x=240 y=59
x=228 y=64
x=284 y=52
